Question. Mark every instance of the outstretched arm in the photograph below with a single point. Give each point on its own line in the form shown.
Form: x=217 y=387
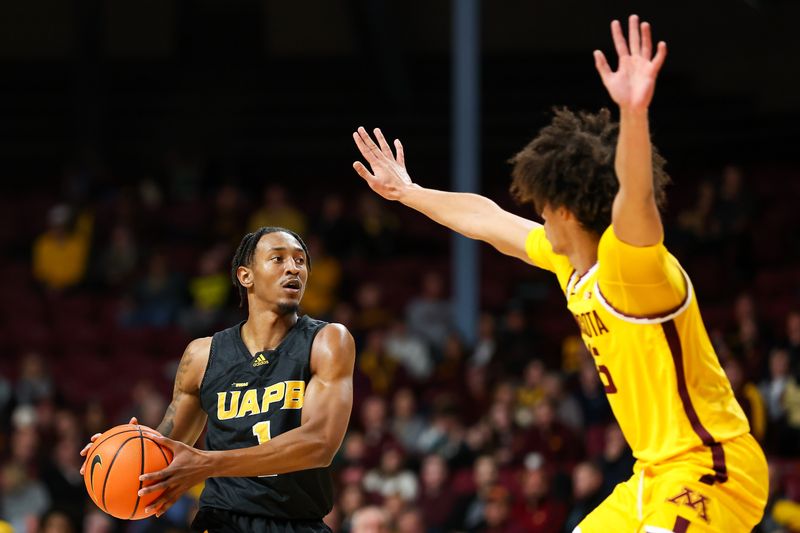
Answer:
x=327 y=404
x=471 y=215
x=635 y=214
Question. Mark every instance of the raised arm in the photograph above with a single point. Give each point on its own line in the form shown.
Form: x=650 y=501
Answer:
x=635 y=214
x=326 y=411
x=471 y=215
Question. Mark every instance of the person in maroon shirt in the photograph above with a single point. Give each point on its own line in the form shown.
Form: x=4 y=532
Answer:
x=436 y=499
x=538 y=511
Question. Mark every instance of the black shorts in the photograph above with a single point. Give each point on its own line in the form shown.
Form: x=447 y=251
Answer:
x=221 y=521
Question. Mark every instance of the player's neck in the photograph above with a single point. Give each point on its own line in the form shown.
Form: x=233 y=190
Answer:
x=265 y=330
x=583 y=254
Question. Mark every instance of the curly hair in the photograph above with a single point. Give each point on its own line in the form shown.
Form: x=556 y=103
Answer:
x=570 y=164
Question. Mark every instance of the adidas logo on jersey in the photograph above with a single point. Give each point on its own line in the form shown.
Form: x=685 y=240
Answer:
x=260 y=360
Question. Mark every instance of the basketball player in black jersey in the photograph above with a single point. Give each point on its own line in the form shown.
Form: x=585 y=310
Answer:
x=276 y=391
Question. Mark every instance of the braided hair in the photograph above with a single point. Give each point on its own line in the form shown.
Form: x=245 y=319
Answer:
x=247 y=248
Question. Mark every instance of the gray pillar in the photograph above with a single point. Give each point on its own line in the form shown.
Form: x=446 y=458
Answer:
x=465 y=155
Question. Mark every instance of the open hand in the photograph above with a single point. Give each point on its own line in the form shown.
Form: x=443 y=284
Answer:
x=188 y=468
x=389 y=176
x=632 y=85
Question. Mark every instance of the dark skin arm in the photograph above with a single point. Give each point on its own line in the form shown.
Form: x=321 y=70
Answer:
x=185 y=419
x=326 y=412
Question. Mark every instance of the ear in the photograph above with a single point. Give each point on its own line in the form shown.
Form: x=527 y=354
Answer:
x=564 y=213
x=245 y=276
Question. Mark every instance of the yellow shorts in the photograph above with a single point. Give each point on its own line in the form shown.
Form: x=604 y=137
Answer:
x=671 y=497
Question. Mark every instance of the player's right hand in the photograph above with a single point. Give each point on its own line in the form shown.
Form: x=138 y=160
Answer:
x=389 y=176
x=96 y=436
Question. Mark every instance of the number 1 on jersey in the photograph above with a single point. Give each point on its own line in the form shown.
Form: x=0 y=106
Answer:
x=261 y=431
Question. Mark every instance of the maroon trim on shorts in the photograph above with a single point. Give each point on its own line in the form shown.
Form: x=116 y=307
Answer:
x=681 y=525
x=717 y=453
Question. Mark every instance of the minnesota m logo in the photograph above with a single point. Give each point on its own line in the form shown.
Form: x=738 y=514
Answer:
x=692 y=499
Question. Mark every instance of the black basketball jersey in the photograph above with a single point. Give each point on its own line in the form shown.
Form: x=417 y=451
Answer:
x=250 y=399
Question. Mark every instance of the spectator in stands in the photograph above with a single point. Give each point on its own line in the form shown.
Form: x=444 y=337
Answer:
x=58 y=520
x=445 y=433
x=538 y=511
x=486 y=345
x=351 y=499
x=157 y=297
x=748 y=396
x=749 y=340
x=516 y=342
x=410 y=521
x=436 y=498
x=209 y=290
x=323 y=287
x=334 y=228
x=35 y=382
x=62 y=478
x=410 y=351
x=617 y=460
x=376 y=232
x=407 y=423
x=119 y=259
x=549 y=437
x=377 y=432
x=734 y=207
x=592 y=397
x=60 y=255
x=697 y=223
x=390 y=477
x=370 y=520
x=469 y=511
x=371 y=313
x=772 y=391
x=587 y=493
x=531 y=391
x=428 y=314
x=792 y=341
x=24 y=498
x=449 y=373
x=497 y=513
x=228 y=217
x=381 y=371
x=568 y=410
x=277 y=210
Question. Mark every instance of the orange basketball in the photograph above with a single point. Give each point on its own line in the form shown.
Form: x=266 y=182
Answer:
x=113 y=466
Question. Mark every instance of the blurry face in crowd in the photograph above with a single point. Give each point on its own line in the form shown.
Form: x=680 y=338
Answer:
x=779 y=363
x=404 y=403
x=373 y=413
x=370 y=520
x=534 y=484
x=586 y=479
x=410 y=522
x=434 y=471
x=485 y=471
x=278 y=273
x=351 y=499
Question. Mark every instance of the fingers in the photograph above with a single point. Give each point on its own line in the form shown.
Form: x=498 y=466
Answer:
x=387 y=151
x=153 y=477
x=661 y=55
x=647 y=41
x=601 y=64
x=619 y=39
x=134 y=421
x=362 y=171
x=633 y=35
x=362 y=147
x=401 y=156
x=368 y=142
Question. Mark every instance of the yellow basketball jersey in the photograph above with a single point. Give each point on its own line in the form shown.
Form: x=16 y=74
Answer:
x=639 y=318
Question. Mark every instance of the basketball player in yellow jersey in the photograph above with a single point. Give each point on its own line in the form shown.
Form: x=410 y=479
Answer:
x=598 y=186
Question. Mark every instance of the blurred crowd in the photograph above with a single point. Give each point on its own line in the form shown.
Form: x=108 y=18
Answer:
x=509 y=432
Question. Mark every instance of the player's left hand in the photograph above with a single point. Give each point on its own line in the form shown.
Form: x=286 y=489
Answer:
x=189 y=467
x=632 y=85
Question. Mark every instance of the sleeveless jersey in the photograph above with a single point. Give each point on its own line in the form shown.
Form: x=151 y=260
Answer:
x=639 y=319
x=250 y=399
